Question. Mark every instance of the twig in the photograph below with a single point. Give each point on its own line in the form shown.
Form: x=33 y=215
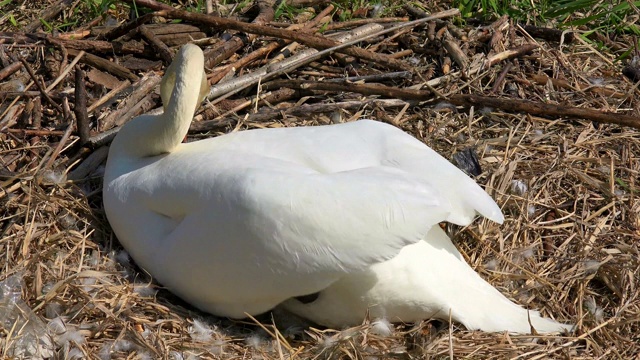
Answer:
x=360 y=22
x=106 y=65
x=162 y=49
x=80 y=109
x=209 y=6
x=542 y=109
x=37 y=113
x=547 y=353
x=365 y=89
x=7 y=71
x=41 y=88
x=509 y=54
x=236 y=42
x=375 y=78
x=273 y=97
x=292 y=45
x=108 y=96
x=107 y=47
x=456 y=53
x=60 y=146
x=27 y=113
x=142 y=88
x=547 y=33
x=151 y=4
x=103 y=138
x=500 y=80
x=9 y=118
x=24 y=93
x=66 y=71
x=294 y=62
x=303 y=110
x=89 y=164
x=543 y=80
x=36 y=132
x=125 y=28
x=267 y=72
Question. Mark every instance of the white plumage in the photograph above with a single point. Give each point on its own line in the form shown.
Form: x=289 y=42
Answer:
x=246 y=221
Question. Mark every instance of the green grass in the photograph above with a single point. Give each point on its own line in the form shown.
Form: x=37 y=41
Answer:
x=521 y=10
x=598 y=15
x=98 y=7
x=605 y=16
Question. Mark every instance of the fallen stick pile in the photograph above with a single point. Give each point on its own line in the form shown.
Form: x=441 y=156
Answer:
x=320 y=58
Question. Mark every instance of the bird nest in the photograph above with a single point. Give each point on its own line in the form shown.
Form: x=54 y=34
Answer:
x=549 y=134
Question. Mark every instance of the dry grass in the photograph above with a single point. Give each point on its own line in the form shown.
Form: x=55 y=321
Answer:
x=569 y=246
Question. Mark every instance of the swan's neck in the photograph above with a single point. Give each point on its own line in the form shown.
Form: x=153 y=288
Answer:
x=154 y=135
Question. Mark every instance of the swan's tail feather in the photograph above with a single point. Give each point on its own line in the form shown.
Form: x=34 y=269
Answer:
x=474 y=302
x=503 y=315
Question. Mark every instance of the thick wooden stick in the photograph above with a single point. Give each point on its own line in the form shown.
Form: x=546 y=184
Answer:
x=365 y=89
x=7 y=71
x=542 y=109
x=80 y=109
x=106 y=65
x=511 y=105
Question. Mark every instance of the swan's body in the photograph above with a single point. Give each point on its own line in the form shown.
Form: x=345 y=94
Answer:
x=240 y=223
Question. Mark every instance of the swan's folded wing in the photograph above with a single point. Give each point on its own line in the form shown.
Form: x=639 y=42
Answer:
x=334 y=222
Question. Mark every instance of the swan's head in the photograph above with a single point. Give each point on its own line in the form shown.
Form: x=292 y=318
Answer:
x=188 y=51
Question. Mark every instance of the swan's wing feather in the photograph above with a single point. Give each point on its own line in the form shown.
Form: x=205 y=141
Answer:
x=397 y=148
x=309 y=221
x=349 y=219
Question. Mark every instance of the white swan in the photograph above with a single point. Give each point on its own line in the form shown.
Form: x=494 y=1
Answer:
x=240 y=223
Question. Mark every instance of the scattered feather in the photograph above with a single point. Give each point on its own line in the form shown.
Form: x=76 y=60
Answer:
x=531 y=210
x=254 y=341
x=328 y=342
x=485 y=110
x=491 y=265
x=52 y=177
x=527 y=253
x=445 y=105
x=124 y=345
x=382 y=327
x=594 y=309
x=518 y=187
x=377 y=10
x=56 y=326
x=217 y=347
x=200 y=331
x=144 y=289
x=591 y=266
x=75 y=353
x=123 y=258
